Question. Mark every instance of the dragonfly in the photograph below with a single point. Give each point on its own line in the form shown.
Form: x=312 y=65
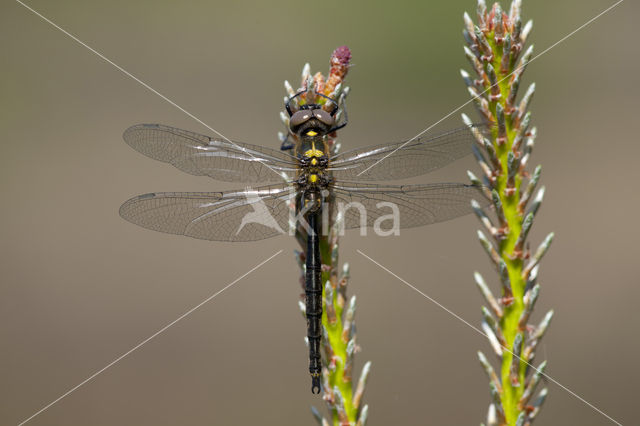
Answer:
x=304 y=183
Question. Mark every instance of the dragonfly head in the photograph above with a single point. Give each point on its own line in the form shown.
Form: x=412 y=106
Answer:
x=311 y=119
x=311 y=122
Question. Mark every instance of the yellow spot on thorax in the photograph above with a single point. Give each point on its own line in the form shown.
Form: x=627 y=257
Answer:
x=313 y=178
x=313 y=152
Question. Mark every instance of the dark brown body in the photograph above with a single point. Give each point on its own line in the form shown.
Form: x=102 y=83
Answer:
x=311 y=126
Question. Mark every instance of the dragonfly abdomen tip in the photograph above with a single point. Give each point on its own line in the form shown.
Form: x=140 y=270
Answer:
x=315 y=385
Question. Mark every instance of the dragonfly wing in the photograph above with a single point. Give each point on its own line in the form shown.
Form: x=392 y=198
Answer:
x=202 y=155
x=410 y=205
x=245 y=215
x=404 y=159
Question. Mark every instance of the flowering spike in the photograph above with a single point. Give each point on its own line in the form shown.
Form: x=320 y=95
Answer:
x=288 y=88
x=524 y=61
x=348 y=321
x=496 y=397
x=306 y=72
x=346 y=271
x=506 y=54
x=493 y=324
x=523 y=162
x=284 y=118
x=491 y=153
x=513 y=166
x=468 y=80
x=493 y=377
x=526 y=227
x=531 y=137
x=339 y=404
x=530 y=387
x=532 y=279
x=497 y=203
x=506 y=281
x=483 y=45
x=469 y=25
x=317 y=415
x=492 y=416
x=493 y=340
x=542 y=250
x=329 y=306
x=481 y=10
x=474 y=62
x=524 y=123
x=467 y=122
x=481 y=103
x=362 y=383
x=498 y=27
x=352 y=348
x=530 y=298
x=540 y=330
x=537 y=201
x=513 y=93
x=484 y=219
x=329 y=353
x=526 y=30
x=364 y=414
x=514 y=11
x=542 y=327
x=497 y=52
x=474 y=180
x=516 y=30
x=493 y=81
x=488 y=247
x=515 y=360
x=488 y=296
x=502 y=125
x=488 y=174
x=542 y=396
x=531 y=186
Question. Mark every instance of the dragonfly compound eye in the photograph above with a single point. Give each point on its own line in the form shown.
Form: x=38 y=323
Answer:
x=324 y=117
x=298 y=118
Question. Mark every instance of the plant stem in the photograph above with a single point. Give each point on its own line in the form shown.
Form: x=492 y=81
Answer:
x=493 y=48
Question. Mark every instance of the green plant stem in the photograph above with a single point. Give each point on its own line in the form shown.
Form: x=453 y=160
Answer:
x=512 y=313
x=338 y=377
x=494 y=46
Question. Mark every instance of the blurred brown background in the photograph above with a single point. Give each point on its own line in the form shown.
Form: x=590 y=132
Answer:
x=80 y=286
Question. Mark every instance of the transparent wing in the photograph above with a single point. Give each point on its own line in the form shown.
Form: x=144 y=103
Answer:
x=404 y=159
x=414 y=205
x=247 y=215
x=202 y=155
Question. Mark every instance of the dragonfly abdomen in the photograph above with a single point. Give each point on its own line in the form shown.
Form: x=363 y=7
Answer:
x=313 y=293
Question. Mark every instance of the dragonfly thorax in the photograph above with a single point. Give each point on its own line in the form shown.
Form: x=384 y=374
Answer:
x=313 y=171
